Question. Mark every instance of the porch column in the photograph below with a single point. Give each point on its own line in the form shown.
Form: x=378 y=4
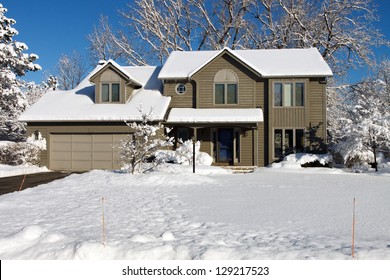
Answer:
x=194 y=139
x=255 y=140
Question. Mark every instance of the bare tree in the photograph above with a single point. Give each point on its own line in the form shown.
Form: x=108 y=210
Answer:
x=342 y=31
x=101 y=42
x=70 y=70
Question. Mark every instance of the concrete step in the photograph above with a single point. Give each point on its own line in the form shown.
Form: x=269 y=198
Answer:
x=241 y=169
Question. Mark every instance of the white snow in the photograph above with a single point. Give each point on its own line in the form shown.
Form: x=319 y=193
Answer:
x=184 y=154
x=268 y=63
x=78 y=104
x=190 y=115
x=174 y=214
x=8 y=170
x=298 y=159
x=39 y=141
x=117 y=67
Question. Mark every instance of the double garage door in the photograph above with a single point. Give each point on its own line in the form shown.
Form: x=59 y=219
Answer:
x=80 y=152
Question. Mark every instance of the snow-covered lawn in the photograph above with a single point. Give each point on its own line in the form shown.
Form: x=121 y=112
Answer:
x=274 y=213
x=8 y=170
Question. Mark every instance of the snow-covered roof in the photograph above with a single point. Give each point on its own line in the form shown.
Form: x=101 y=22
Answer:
x=267 y=63
x=78 y=104
x=215 y=115
x=119 y=68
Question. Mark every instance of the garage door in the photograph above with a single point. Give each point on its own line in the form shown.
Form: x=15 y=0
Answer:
x=79 y=152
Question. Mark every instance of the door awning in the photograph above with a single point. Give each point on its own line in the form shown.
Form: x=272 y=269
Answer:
x=215 y=115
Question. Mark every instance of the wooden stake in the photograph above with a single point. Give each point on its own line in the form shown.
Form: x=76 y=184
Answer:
x=21 y=185
x=353 y=228
x=103 y=228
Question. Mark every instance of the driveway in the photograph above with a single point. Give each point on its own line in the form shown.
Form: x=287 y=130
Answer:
x=12 y=184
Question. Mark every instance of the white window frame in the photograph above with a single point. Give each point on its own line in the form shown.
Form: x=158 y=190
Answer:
x=110 y=84
x=283 y=139
x=225 y=92
x=294 y=83
x=182 y=86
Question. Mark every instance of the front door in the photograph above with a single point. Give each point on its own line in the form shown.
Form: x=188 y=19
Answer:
x=225 y=147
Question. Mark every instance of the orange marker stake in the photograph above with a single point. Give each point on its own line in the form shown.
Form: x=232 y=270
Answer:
x=21 y=185
x=353 y=228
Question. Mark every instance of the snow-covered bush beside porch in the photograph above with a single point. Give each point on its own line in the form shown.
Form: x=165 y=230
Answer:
x=299 y=160
x=184 y=154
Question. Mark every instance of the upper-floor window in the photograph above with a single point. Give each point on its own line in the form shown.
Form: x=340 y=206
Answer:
x=225 y=87
x=181 y=89
x=110 y=92
x=289 y=94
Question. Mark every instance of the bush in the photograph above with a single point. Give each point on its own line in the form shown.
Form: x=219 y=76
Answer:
x=19 y=153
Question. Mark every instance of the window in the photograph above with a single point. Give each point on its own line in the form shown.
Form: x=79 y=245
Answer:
x=225 y=94
x=181 y=89
x=225 y=87
x=110 y=92
x=183 y=133
x=287 y=141
x=289 y=94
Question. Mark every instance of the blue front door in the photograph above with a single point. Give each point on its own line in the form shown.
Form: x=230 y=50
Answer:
x=225 y=148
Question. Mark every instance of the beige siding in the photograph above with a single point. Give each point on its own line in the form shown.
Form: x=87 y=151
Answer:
x=204 y=137
x=129 y=91
x=261 y=145
x=317 y=107
x=246 y=147
x=179 y=101
x=205 y=84
x=288 y=117
x=98 y=80
x=251 y=94
x=311 y=115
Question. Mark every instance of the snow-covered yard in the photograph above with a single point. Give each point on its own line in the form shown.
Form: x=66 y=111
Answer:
x=274 y=213
x=8 y=170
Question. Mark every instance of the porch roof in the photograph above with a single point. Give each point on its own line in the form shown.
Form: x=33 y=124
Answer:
x=215 y=115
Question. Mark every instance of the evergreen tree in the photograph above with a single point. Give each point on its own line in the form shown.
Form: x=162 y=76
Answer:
x=14 y=63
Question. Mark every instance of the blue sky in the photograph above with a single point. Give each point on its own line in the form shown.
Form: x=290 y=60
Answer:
x=51 y=28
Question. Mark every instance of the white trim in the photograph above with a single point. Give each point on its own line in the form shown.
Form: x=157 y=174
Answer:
x=215 y=115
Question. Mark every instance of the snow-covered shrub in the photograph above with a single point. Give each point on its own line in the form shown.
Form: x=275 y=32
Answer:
x=137 y=151
x=21 y=153
x=360 y=123
x=37 y=140
x=184 y=154
x=299 y=160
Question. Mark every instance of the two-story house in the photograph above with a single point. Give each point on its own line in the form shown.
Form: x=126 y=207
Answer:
x=248 y=107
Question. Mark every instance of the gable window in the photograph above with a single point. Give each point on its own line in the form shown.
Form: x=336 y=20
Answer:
x=287 y=141
x=289 y=94
x=225 y=87
x=110 y=92
x=181 y=89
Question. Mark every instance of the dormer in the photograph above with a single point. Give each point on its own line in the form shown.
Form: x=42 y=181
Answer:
x=113 y=84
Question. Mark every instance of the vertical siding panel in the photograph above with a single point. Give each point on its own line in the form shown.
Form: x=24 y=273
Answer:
x=179 y=101
x=246 y=147
x=205 y=83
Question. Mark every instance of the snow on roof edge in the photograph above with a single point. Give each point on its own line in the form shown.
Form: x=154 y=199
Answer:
x=265 y=71
x=212 y=115
x=118 y=67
